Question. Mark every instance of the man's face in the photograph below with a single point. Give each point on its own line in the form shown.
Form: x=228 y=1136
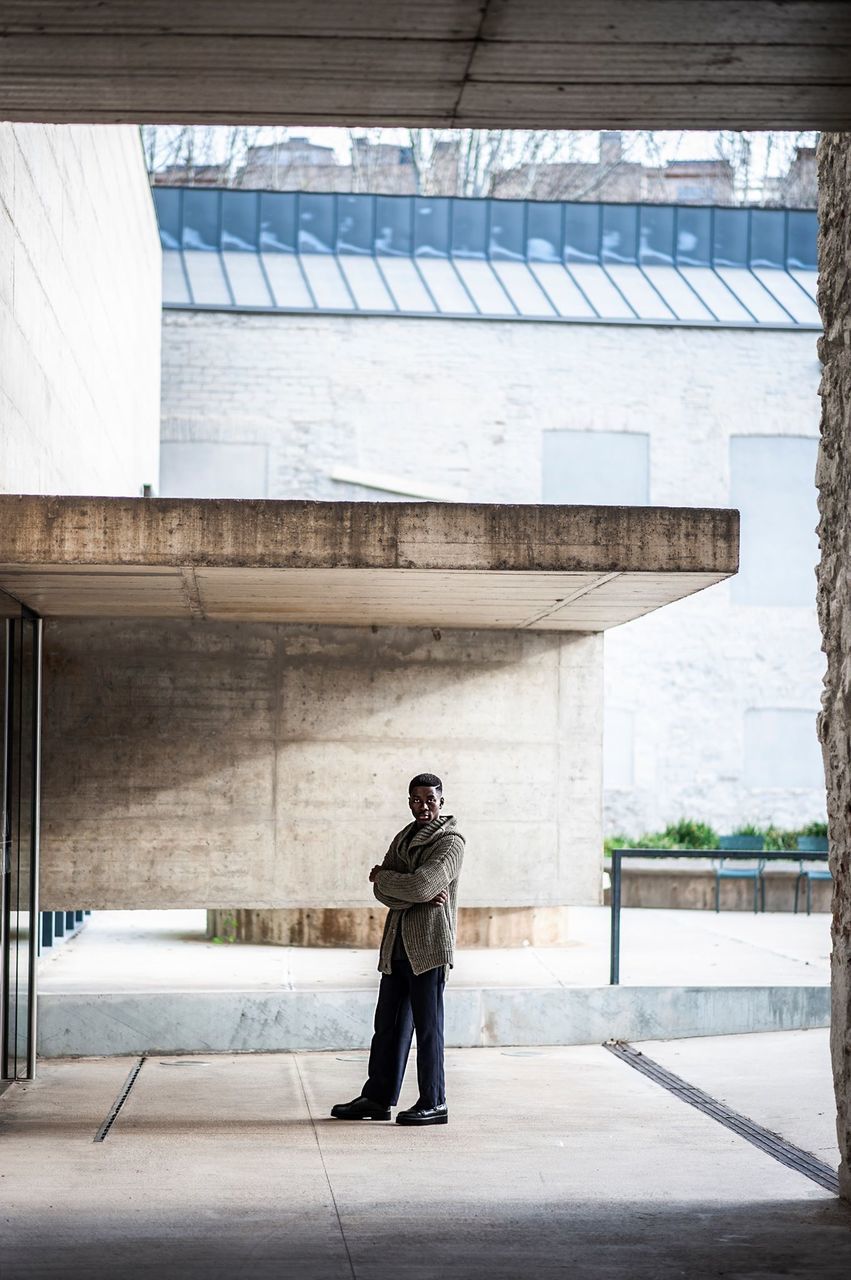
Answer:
x=424 y=803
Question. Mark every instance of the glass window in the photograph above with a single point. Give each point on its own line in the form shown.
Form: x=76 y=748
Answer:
x=694 y=237
x=723 y=304
x=315 y=224
x=366 y=283
x=543 y=232
x=772 y=482
x=287 y=281
x=768 y=238
x=730 y=242
x=469 y=228
x=167 y=205
x=679 y=296
x=175 y=288
x=639 y=292
x=203 y=469
x=200 y=219
x=600 y=292
x=656 y=234
x=759 y=302
x=789 y=294
x=246 y=279
x=239 y=220
x=393 y=225
x=207 y=279
x=431 y=227
x=782 y=750
x=620 y=233
x=562 y=291
x=803 y=237
x=610 y=468
x=355 y=216
x=506 y=229
x=405 y=283
x=581 y=233
x=488 y=294
x=326 y=282
x=523 y=289
x=445 y=287
x=808 y=280
x=277 y=221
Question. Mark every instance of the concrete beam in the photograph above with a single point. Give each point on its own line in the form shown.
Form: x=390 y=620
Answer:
x=356 y=563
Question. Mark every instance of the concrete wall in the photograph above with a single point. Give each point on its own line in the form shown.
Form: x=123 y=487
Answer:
x=79 y=311
x=252 y=765
x=833 y=593
x=279 y=403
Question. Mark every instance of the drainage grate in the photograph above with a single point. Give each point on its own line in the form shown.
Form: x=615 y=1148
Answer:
x=119 y=1102
x=771 y=1143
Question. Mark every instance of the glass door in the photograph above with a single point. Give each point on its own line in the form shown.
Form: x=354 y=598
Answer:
x=21 y=751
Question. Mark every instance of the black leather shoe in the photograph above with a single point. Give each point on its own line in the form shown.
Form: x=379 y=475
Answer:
x=360 y=1109
x=424 y=1115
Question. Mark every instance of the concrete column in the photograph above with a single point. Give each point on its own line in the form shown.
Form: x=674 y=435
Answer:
x=834 y=598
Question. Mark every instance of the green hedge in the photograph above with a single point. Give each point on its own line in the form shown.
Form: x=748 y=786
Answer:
x=687 y=834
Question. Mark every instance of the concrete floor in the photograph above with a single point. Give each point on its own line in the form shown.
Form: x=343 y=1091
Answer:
x=559 y=1162
x=168 y=950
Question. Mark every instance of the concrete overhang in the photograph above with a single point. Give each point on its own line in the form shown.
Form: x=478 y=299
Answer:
x=531 y=64
x=549 y=568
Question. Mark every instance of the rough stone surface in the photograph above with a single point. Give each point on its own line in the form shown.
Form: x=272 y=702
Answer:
x=255 y=765
x=834 y=598
x=79 y=312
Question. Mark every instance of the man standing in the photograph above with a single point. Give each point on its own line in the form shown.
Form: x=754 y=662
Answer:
x=418 y=881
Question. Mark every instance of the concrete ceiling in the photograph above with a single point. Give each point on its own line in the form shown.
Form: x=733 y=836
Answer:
x=490 y=63
x=385 y=564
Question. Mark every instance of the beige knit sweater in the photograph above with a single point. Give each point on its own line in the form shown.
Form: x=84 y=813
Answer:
x=413 y=871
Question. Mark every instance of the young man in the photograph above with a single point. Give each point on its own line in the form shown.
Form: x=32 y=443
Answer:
x=418 y=881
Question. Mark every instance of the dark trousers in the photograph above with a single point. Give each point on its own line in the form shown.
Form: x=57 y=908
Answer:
x=407 y=1002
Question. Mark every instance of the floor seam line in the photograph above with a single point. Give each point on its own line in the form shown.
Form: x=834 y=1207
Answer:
x=325 y=1168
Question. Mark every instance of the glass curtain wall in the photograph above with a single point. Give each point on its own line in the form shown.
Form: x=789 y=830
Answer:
x=21 y=724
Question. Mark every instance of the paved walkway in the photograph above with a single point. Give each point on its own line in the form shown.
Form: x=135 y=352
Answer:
x=559 y=1162
x=168 y=950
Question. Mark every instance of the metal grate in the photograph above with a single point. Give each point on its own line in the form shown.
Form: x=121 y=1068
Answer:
x=119 y=1102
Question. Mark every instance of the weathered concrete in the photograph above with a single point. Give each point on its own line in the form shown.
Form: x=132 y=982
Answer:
x=689 y=889
x=253 y=765
x=834 y=598
x=499 y=65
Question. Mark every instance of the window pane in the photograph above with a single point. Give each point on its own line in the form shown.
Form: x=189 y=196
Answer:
x=682 y=300
x=590 y=467
x=445 y=287
x=808 y=280
x=657 y=234
x=731 y=237
x=694 y=237
x=239 y=219
x=803 y=233
x=543 y=232
x=326 y=283
x=562 y=291
x=581 y=233
x=488 y=294
x=431 y=228
x=167 y=205
x=287 y=281
x=757 y=299
x=600 y=292
x=246 y=280
x=200 y=219
x=523 y=288
x=768 y=238
x=469 y=228
x=393 y=225
x=782 y=749
x=175 y=288
x=639 y=293
x=277 y=221
x=366 y=283
x=406 y=285
x=506 y=231
x=772 y=482
x=315 y=224
x=789 y=293
x=355 y=224
x=207 y=278
x=620 y=233
x=723 y=304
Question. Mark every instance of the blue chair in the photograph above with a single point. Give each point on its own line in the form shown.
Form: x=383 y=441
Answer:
x=810 y=844
x=738 y=872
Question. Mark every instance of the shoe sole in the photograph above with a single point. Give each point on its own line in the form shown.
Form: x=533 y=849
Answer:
x=416 y=1124
x=387 y=1117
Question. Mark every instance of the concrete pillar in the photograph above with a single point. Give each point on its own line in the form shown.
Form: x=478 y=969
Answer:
x=834 y=597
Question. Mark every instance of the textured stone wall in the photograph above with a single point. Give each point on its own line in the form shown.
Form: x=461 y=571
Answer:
x=79 y=311
x=318 y=392
x=257 y=765
x=834 y=598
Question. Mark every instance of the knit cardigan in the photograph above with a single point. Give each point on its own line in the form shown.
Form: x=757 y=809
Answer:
x=413 y=871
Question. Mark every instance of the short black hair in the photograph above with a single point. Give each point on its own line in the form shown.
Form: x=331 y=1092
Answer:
x=426 y=780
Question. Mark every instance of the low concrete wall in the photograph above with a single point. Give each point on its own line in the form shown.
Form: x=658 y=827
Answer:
x=694 y=890
x=231 y=765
